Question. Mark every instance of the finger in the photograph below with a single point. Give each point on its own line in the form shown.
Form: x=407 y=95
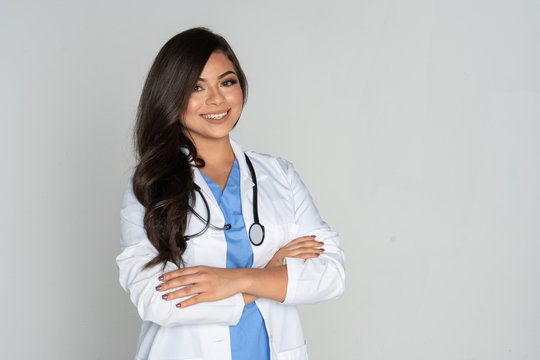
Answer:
x=299 y=240
x=304 y=244
x=183 y=292
x=179 y=281
x=300 y=251
x=302 y=238
x=189 y=302
x=180 y=272
x=313 y=244
x=306 y=256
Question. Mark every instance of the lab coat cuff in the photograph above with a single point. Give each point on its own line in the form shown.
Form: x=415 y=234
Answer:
x=294 y=268
x=238 y=308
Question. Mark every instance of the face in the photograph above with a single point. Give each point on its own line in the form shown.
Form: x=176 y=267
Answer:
x=215 y=104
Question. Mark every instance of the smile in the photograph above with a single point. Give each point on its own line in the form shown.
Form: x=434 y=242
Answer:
x=215 y=116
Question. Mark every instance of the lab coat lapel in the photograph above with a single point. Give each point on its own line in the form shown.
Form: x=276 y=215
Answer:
x=199 y=180
x=246 y=188
x=216 y=216
x=246 y=185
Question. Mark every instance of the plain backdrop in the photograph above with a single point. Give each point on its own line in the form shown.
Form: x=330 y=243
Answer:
x=415 y=125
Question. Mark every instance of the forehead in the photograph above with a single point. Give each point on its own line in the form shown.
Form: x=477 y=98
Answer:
x=217 y=64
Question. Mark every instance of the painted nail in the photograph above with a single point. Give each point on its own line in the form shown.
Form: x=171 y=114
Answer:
x=322 y=249
x=165 y=296
x=179 y=305
x=159 y=287
x=161 y=278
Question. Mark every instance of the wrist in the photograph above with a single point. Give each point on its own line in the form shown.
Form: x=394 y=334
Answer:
x=245 y=280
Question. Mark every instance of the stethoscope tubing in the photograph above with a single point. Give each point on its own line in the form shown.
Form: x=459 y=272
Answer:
x=256 y=230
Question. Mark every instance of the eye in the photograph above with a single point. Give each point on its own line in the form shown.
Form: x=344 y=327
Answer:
x=197 y=88
x=229 y=82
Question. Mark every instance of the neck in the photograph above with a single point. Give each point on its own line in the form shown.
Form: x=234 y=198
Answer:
x=215 y=152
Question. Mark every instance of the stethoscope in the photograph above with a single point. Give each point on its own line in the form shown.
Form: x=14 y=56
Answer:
x=256 y=230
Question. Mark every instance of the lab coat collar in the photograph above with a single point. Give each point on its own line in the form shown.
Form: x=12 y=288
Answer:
x=245 y=175
x=246 y=183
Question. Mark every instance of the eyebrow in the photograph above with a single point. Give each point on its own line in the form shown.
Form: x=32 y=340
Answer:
x=222 y=75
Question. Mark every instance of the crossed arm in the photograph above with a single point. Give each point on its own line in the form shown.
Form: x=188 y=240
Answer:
x=219 y=294
x=204 y=283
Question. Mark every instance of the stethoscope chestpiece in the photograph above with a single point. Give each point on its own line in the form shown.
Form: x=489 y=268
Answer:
x=256 y=234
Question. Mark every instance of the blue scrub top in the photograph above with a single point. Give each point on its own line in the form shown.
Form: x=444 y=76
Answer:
x=249 y=339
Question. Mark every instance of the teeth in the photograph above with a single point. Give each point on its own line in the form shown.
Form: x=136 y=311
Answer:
x=215 y=116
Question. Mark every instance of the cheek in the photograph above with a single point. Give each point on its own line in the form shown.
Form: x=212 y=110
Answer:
x=236 y=97
x=193 y=106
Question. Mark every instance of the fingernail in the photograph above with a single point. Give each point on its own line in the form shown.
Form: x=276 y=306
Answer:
x=159 y=287
x=161 y=278
x=313 y=236
x=320 y=242
x=179 y=305
x=318 y=254
x=322 y=249
x=165 y=296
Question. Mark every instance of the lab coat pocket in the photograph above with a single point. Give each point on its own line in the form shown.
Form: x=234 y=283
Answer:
x=299 y=353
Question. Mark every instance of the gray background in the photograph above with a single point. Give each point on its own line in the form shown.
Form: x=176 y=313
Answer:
x=415 y=124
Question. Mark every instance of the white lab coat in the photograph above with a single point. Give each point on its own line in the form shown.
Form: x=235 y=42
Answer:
x=202 y=331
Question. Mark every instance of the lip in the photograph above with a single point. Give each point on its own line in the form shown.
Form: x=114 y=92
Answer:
x=216 y=112
x=217 y=121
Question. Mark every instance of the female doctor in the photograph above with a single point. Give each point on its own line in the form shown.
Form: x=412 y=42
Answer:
x=218 y=244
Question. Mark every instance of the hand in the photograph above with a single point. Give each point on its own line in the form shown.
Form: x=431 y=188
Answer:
x=202 y=283
x=304 y=247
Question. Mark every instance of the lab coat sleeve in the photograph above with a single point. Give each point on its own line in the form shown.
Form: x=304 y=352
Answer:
x=321 y=278
x=140 y=283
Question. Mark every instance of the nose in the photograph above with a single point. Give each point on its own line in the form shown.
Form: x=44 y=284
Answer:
x=215 y=97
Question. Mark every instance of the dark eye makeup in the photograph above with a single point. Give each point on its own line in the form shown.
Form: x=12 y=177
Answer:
x=226 y=83
x=229 y=82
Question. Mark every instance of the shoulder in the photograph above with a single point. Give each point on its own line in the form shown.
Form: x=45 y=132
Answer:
x=276 y=168
x=271 y=165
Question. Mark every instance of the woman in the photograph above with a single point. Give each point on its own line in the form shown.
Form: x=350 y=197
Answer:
x=203 y=286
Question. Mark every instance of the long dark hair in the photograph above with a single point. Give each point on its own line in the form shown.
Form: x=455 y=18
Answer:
x=163 y=179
